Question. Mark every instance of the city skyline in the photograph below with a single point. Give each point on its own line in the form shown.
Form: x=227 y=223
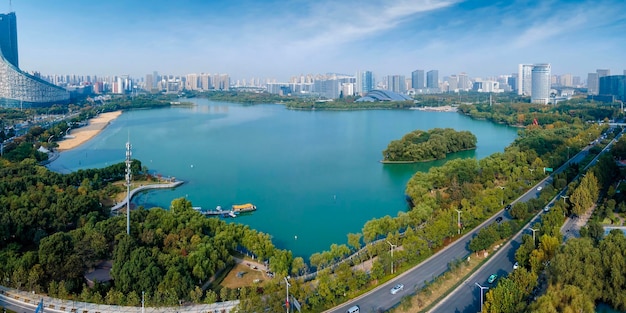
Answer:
x=271 y=39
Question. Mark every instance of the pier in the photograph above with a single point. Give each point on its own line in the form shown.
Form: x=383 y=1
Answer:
x=217 y=212
x=236 y=209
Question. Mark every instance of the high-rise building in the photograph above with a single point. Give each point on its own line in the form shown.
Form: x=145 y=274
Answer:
x=512 y=81
x=432 y=79
x=364 y=82
x=566 y=80
x=592 y=84
x=149 y=82
x=451 y=83
x=17 y=88
x=464 y=82
x=8 y=40
x=524 y=79
x=396 y=83
x=417 y=79
x=192 y=82
x=613 y=85
x=603 y=72
x=540 y=92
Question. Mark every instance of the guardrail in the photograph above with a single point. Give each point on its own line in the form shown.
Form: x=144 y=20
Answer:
x=29 y=301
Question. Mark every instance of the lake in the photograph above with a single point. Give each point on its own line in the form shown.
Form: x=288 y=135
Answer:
x=314 y=176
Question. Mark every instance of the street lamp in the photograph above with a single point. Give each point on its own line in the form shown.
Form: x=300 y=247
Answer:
x=533 y=230
x=502 y=195
x=567 y=154
x=143 y=307
x=392 y=246
x=564 y=197
x=458 y=224
x=481 y=295
x=287 y=301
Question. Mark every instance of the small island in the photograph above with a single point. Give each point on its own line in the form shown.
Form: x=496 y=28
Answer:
x=422 y=146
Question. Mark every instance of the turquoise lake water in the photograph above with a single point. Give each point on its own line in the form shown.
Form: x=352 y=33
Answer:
x=315 y=176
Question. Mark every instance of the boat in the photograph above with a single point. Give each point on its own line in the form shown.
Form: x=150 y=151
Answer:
x=240 y=208
x=232 y=214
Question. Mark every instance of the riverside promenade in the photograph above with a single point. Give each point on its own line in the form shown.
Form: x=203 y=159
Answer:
x=23 y=301
x=119 y=206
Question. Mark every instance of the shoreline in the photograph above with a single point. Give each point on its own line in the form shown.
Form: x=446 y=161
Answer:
x=79 y=136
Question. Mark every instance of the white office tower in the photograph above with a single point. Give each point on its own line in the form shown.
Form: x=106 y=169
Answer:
x=540 y=92
x=364 y=82
x=524 y=79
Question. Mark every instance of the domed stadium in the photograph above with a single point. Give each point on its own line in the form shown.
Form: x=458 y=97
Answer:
x=383 y=95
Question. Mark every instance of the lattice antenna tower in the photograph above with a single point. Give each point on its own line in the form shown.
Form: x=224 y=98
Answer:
x=128 y=179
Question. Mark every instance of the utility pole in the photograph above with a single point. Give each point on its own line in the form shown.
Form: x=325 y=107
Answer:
x=481 y=295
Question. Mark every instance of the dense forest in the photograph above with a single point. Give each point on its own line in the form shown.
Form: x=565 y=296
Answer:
x=433 y=144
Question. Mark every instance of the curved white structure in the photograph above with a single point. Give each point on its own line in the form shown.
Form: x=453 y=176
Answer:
x=16 y=87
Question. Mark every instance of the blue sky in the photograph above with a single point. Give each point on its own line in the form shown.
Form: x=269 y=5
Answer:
x=280 y=39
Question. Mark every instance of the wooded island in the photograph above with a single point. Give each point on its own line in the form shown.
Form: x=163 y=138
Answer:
x=420 y=146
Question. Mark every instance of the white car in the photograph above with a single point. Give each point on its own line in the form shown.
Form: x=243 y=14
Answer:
x=539 y=188
x=397 y=288
x=515 y=266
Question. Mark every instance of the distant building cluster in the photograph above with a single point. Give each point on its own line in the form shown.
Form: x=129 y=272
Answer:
x=534 y=81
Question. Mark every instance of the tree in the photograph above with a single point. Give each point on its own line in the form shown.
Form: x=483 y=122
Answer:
x=354 y=240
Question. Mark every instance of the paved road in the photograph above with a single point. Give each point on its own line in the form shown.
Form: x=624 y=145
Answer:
x=466 y=298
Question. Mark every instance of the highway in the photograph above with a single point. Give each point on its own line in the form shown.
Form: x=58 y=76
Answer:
x=466 y=298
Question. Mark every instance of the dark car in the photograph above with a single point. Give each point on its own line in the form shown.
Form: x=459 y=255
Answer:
x=508 y=207
x=499 y=219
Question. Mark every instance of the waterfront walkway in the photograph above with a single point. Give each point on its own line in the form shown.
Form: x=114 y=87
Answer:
x=115 y=209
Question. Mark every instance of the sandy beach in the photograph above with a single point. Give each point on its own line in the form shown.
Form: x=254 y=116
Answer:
x=81 y=135
x=445 y=108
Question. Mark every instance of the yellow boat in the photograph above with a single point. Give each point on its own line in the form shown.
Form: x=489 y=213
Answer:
x=248 y=207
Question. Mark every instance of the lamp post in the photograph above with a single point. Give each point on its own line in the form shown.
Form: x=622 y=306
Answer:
x=533 y=230
x=481 y=295
x=567 y=154
x=458 y=221
x=502 y=195
x=287 y=299
x=143 y=301
x=564 y=197
x=392 y=246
